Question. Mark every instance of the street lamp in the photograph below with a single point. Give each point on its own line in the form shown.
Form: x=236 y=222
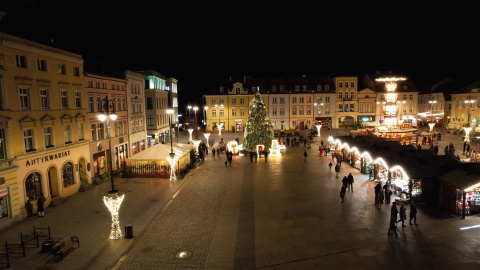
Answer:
x=170 y=113
x=189 y=115
x=178 y=125
x=108 y=113
x=205 y=108
x=195 y=110
x=431 y=124
x=315 y=108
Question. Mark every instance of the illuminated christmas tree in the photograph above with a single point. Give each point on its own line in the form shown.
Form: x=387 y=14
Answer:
x=259 y=128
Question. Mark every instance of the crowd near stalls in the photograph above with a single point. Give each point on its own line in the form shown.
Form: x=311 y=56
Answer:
x=415 y=174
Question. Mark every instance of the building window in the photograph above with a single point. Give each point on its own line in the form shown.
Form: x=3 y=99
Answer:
x=274 y=88
x=44 y=99
x=24 y=98
x=301 y=110
x=294 y=100
x=294 y=110
x=3 y=143
x=274 y=100
x=237 y=91
x=64 y=99
x=309 y=99
x=282 y=111
x=76 y=71
x=67 y=133
x=48 y=136
x=327 y=99
x=28 y=140
x=234 y=112
x=33 y=186
x=327 y=87
x=21 y=61
x=282 y=100
x=352 y=84
x=80 y=131
x=297 y=88
x=340 y=107
x=242 y=101
x=149 y=103
x=319 y=87
x=282 y=88
x=302 y=100
x=234 y=101
x=340 y=84
x=78 y=99
x=67 y=174
x=62 y=69
x=150 y=120
x=304 y=88
x=242 y=111
x=274 y=111
x=41 y=64
x=352 y=95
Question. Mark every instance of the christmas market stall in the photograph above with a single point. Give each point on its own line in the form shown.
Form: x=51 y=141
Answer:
x=153 y=163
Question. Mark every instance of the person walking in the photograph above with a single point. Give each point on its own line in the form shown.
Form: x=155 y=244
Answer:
x=41 y=205
x=393 y=225
x=394 y=211
x=343 y=191
x=413 y=212
x=213 y=153
x=403 y=214
x=337 y=170
x=305 y=155
x=265 y=153
x=464 y=146
x=330 y=165
x=377 y=188
x=388 y=192
x=350 y=181
x=251 y=156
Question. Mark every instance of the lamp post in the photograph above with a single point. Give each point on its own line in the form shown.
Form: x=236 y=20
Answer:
x=431 y=124
x=194 y=121
x=170 y=113
x=178 y=125
x=315 y=108
x=108 y=113
x=205 y=108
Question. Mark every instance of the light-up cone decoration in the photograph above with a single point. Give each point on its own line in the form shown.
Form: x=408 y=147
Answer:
x=220 y=126
x=467 y=133
x=190 y=131
x=207 y=135
x=275 y=149
x=431 y=125
x=172 y=159
x=113 y=202
x=196 y=143
x=319 y=127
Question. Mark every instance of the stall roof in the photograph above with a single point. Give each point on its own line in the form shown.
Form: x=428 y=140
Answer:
x=160 y=152
x=461 y=179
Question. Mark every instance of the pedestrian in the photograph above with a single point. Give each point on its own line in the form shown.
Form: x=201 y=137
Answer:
x=342 y=192
x=230 y=157
x=388 y=192
x=330 y=165
x=41 y=205
x=213 y=153
x=255 y=155
x=345 y=181
x=305 y=155
x=337 y=170
x=377 y=189
x=468 y=150
x=403 y=214
x=350 y=181
x=265 y=153
x=251 y=156
x=393 y=225
x=464 y=146
x=381 y=195
x=413 y=212
x=29 y=206
x=218 y=153
x=394 y=211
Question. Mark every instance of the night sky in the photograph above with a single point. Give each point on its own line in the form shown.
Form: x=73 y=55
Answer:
x=202 y=43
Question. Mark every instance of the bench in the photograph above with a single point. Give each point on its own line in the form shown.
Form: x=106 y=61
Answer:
x=61 y=246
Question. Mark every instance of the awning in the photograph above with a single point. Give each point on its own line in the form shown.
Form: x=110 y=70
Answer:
x=159 y=152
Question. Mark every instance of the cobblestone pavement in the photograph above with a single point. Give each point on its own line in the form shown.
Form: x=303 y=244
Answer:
x=280 y=214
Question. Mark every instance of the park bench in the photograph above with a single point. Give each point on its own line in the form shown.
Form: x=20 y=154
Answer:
x=62 y=246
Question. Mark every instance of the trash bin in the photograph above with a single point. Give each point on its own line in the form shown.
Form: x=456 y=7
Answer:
x=129 y=231
x=47 y=245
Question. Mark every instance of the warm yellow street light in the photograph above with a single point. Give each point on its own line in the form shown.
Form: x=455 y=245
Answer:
x=108 y=113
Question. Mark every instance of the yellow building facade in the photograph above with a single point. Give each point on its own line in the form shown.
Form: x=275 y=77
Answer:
x=44 y=143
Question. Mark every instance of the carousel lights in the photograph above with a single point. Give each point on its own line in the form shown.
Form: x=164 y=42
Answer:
x=113 y=203
x=394 y=79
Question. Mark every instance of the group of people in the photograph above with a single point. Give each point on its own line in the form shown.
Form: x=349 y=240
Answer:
x=347 y=184
x=395 y=212
x=40 y=206
x=383 y=193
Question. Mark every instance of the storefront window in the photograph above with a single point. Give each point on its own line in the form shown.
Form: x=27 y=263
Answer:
x=33 y=186
x=67 y=174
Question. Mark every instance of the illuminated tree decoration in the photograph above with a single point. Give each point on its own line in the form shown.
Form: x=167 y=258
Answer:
x=190 y=130
x=172 y=159
x=196 y=143
x=113 y=203
x=220 y=126
x=259 y=128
